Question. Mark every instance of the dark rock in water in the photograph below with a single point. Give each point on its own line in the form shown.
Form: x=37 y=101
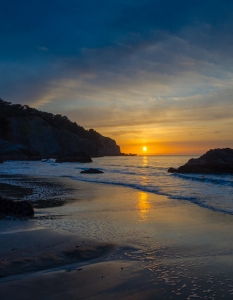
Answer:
x=217 y=161
x=172 y=170
x=75 y=157
x=91 y=171
x=1 y=161
x=10 y=207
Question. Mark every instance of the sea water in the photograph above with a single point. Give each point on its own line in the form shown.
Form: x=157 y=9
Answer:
x=145 y=173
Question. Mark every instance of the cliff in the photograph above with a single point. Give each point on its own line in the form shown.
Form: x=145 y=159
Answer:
x=29 y=133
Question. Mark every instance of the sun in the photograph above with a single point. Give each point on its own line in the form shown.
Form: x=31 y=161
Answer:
x=144 y=148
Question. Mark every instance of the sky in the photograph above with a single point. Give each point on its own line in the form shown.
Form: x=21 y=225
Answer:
x=155 y=74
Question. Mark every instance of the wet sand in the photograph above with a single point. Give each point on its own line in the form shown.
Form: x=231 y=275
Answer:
x=95 y=241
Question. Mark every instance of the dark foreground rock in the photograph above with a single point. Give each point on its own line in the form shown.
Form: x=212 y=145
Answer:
x=91 y=171
x=75 y=157
x=217 y=161
x=10 y=207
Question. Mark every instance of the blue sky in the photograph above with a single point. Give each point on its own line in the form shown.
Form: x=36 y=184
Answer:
x=142 y=72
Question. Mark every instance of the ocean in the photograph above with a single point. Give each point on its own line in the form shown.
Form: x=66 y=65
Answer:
x=144 y=173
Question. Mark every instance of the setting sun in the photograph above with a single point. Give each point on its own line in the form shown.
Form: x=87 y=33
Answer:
x=144 y=148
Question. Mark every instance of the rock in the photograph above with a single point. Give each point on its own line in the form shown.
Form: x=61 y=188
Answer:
x=75 y=157
x=10 y=207
x=214 y=161
x=172 y=170
x=32 y=154
x=1 y=161
x=11 y=151
x=91 y=171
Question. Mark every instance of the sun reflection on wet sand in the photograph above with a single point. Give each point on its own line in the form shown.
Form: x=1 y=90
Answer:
x=143 y=205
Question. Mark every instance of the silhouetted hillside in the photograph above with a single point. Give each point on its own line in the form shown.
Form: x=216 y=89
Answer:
x=30 y=132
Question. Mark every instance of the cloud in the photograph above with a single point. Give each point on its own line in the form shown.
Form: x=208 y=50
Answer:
x=43 y=48
x=121 y=65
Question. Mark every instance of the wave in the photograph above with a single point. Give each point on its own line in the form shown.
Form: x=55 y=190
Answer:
x=138 y=167
x=205 y=179
x=207 y=191
x=121 y=171
x=136 y=186
x=199 y=202
x=155 y=190
x=113 y=171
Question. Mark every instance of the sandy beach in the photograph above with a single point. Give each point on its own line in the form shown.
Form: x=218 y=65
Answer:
x=116 y=150
x=97 y=241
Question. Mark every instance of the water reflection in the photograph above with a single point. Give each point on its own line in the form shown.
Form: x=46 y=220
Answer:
x=143 y=205
x=144 y=161
x=144 y=179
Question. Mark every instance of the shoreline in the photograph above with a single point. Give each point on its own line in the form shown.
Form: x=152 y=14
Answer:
x=27 y=247
x=148 y=245
x=145 y=174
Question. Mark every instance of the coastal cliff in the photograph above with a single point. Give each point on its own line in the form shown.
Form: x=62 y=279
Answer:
x=29 y=133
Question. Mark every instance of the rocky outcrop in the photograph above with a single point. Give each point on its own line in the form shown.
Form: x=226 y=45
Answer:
x=172 y=170
x=91 y=171
x=80 y=157
x=13 y=151
x=217 y=161
x=20 y=208
x=26 y=133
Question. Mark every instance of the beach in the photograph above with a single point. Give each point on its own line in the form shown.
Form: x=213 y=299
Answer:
x=116 y=150
x=96 y=241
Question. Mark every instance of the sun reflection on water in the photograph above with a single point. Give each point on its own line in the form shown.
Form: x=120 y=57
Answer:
x=144 y=161
x=144 y=179
x=143 y=205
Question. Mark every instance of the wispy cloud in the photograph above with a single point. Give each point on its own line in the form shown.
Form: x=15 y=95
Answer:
x=43 y=48
x=125 y=66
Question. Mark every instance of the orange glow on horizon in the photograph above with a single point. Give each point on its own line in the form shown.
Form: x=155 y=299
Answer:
x=169 y=148
x=167 y=140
